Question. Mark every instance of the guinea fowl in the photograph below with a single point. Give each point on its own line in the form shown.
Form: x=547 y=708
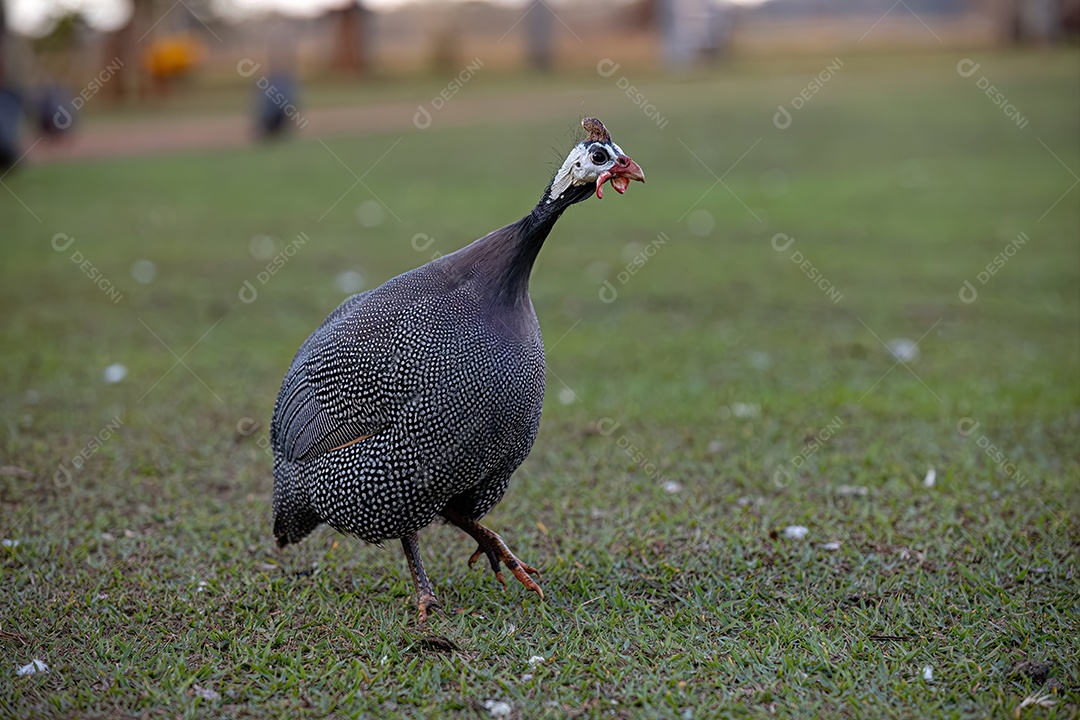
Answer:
x=420 y=398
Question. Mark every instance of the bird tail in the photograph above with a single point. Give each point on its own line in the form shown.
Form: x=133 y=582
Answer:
x=293 y=517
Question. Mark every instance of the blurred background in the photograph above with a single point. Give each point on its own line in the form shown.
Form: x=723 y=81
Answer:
x=60 y=59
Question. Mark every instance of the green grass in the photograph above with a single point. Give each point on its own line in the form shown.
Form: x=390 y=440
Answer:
x=152 y=572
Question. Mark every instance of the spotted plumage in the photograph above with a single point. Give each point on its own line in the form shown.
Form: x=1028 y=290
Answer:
x=420 y=398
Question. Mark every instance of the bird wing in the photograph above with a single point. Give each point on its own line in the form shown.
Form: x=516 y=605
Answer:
x=330 y=396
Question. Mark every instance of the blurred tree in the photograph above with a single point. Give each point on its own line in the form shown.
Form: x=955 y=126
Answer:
x=349 y=38
x=539 y=41
x=643 y=14
x=121 y=45
x=1036 y=21
x=1070 y=18
x=161 y=39
x=694 y=29
x=446 y=41
x=1021 y=22
x=4 y=44
x=55 y=52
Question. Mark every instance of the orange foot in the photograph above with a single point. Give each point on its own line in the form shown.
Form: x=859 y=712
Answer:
x=490 y=544
x=426 y=603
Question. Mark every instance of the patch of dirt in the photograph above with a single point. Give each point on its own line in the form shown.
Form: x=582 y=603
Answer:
x=179 y=134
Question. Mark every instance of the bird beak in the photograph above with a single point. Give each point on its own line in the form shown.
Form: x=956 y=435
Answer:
x=620 y=176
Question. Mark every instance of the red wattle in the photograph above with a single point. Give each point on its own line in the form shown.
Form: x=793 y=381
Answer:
x=604 y=177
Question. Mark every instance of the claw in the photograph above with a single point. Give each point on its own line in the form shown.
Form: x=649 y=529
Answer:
x=520 y=571
x=490 y=544
x=425 y=596
x=498 y=553
x=427 y=603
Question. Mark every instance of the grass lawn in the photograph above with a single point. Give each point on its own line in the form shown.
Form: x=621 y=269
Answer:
x=717 y=374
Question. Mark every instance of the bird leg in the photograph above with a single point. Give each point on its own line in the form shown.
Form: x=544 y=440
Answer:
x=490 y=544
x=425 y=596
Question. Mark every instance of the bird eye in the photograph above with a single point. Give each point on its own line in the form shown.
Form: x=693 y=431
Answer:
x=599 y=157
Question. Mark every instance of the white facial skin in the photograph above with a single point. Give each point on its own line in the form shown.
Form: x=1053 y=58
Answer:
x=585 y=163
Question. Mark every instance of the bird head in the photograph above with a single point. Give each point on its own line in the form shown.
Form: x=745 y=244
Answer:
x=596 y=159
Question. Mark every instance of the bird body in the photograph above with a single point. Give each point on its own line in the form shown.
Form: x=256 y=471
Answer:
x=449 y=401
x=421 y=397
x=276 y=104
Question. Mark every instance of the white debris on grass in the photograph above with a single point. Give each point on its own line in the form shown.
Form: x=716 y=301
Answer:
x=263 y=247
x=205 y=693
x=759 y=360
x=830 y=546
x=8 y=542
x=928 y=673
x=597 y=271
x=903 y=349
x=701 y=222
x=930 y=479
x=671 y=487
x=144 y=271
x=115 y=373
x=498 y=708
x=745 y=410
x=35 y=666
x=631 y=250
x=350 y=282
x=370 y=213
x=796 y=532
x=1045 y=701
x=536 y=660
